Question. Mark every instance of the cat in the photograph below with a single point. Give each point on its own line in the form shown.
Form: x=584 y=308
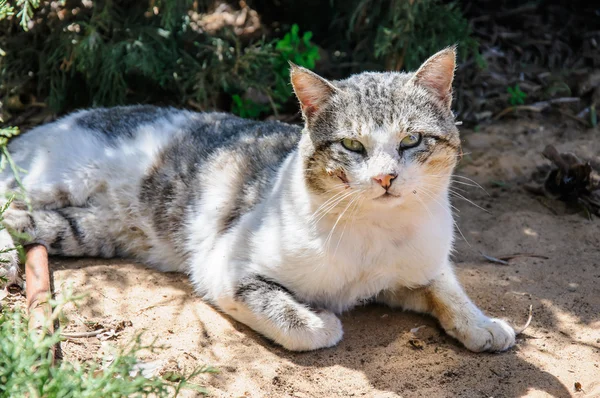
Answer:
x=281 y=227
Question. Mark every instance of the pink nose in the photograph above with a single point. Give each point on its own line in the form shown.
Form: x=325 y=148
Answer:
x=385 y=180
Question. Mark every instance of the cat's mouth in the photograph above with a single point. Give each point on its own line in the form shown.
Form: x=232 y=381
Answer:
x=387 y=196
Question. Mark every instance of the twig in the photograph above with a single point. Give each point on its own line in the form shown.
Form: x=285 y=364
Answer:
x=494 y=259
x=576 y=118
x=521 y=330
x=518 y=108
x=537 y=106
x=77 y=335
x=517 y=255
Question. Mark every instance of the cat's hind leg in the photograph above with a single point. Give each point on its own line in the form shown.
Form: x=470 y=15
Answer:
x=272 y=310
x=445 y=299
x=70 y=231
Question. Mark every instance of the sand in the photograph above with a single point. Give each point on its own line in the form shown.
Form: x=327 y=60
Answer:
x=375 y=358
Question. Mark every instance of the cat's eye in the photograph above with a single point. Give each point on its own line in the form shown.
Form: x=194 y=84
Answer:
x=410 y=141
x=353 y=145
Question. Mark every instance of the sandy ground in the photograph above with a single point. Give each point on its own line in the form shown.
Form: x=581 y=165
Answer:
x=375 y=359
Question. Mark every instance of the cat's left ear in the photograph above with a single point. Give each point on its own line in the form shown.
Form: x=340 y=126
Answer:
x=436 y=74
x=312 y=90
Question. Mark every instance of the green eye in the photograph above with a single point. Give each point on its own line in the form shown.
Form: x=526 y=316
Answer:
x=353 y=145
x=410 y=141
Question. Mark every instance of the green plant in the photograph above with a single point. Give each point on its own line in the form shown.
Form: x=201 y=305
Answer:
x=297 y=49
x=27 y=369
x=118 y=52
x=103 y=53
x=403 y=33
x=276 y=87
x=247 y=108
x=515 y=95
x=25 y=10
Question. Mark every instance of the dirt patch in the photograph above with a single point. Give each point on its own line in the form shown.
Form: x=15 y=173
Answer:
x=388 y=353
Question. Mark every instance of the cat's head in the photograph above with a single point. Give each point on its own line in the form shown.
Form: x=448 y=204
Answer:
x=389 y=136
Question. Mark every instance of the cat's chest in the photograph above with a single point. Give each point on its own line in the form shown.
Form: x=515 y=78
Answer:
x=353 y=266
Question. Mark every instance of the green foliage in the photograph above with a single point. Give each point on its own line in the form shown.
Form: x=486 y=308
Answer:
x=403 y=33
x=247 y=108
x=515 y=95
x=26 y=9
x=115 y=53
x=297 y=49
x=291 y=48
x=6 y=10
x=78 y=54
x=26 y=368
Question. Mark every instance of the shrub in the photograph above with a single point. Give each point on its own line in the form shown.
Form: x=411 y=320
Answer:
x=80 y=53
x=108 y=53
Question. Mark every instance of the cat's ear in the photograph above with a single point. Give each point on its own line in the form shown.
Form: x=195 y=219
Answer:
x=312 y=90
x=436 y=74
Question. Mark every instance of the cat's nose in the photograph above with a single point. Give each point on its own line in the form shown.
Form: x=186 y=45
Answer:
x=385 y=180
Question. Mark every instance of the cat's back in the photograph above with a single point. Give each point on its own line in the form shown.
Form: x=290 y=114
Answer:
x=87 y=149
x=137 y=125
x=137 y=134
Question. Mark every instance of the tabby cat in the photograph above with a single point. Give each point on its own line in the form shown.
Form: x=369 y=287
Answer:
x=280 y=227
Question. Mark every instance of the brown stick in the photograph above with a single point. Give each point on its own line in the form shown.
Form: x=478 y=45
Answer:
x=37 y=279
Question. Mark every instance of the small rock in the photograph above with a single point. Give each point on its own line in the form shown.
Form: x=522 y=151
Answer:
x=572 y=286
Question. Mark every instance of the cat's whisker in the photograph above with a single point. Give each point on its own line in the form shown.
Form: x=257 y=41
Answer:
x=454 y=221
x=356 y=201
x=459 y=189
x=324 y=212
x=425 y=206
x=475 y=183
x=331 y=205
x=442 y=187
x=464 y=183
x=337 y=221
x=336 y=186
x=432 y=195
x=457 y=195
x=332 y=199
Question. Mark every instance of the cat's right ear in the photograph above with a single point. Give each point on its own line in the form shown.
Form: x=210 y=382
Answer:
x=312 y=90
x=436 y=74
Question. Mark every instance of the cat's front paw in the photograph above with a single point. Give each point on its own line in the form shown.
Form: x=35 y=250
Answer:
x=323 y=329
x=488 y=334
